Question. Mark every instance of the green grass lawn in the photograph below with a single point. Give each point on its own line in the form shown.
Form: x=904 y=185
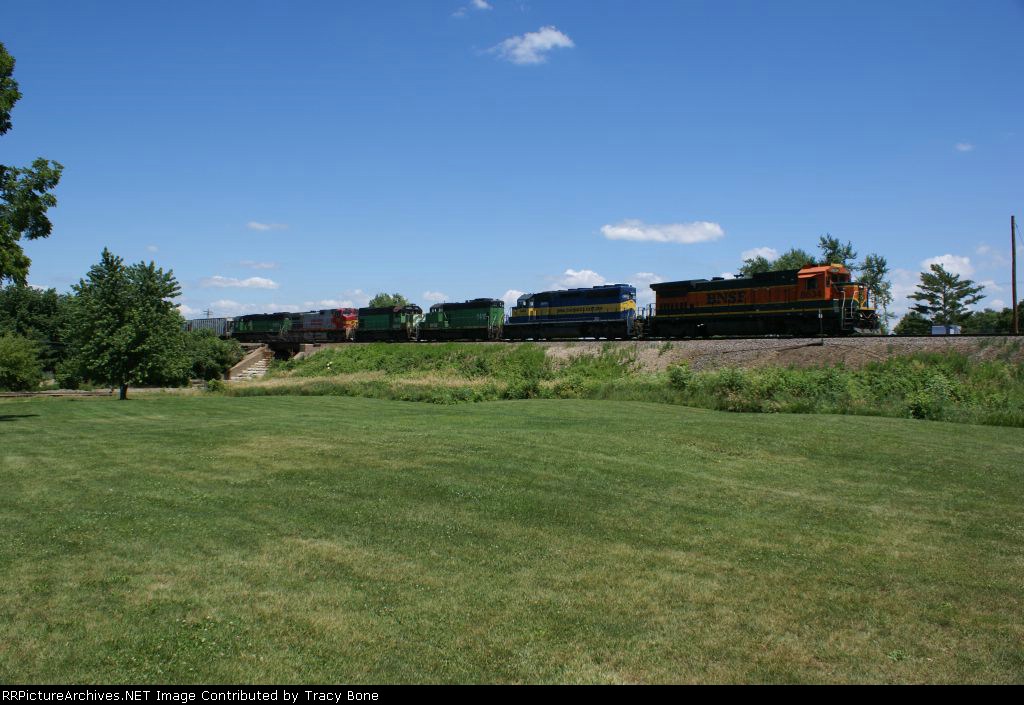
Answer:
x=324 y=539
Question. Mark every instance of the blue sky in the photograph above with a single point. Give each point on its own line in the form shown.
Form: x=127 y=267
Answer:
x=282 y=156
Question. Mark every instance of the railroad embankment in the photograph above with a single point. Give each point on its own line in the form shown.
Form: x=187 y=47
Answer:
x=971 y=380
x=854 y=352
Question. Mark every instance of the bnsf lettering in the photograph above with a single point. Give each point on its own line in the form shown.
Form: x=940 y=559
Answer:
x=727 y=297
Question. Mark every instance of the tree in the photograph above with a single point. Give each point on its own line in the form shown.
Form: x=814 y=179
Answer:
x=36 y=314
x=991 y=321
x=834 y=252
x=913 y=323
x=19 y=364
x=794 y=258
x=874 y=274
x=943 y=297
x=382 y=300
x=24 y=192
x=123 y=328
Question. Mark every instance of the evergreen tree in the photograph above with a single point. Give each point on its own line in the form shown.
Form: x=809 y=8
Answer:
x=123 y=328
x=943 y=297
x=24 y=192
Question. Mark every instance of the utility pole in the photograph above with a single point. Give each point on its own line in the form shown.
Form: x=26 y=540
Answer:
x=1013 y=273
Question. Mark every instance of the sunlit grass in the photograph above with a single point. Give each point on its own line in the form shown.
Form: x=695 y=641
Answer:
x=300 y=539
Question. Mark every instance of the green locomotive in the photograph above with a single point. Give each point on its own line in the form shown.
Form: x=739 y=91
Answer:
x=389 y=323
x=477 y=319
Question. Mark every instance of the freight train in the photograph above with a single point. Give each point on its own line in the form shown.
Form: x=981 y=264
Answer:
x=813 y=300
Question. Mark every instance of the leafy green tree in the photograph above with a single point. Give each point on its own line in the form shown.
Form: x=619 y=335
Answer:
x=835 y=252
x=943 y=297
x=36 y=314
x=20 y=369
x=208 y=356
x=24 y=191
x=991 y=321
x=873 y=272
x=913 y=323
x=123 y=328
x=794 y=258
x=391 y=300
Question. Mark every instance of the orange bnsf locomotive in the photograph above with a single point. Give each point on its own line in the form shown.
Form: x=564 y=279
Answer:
x=814 y=300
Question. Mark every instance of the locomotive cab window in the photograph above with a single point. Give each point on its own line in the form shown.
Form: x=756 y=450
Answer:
x=812 y=284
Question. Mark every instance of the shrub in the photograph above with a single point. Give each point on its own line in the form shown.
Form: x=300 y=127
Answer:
x=680 y=376
x=20 y=369
x=208 y=356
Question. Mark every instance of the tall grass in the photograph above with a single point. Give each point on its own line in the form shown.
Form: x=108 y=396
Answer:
x=937 y=386
x=945 y=386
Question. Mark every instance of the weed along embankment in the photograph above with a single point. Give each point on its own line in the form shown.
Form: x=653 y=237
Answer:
x=209 y=538
x=978 y=381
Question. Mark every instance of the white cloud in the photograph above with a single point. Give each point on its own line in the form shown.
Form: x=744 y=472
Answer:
x=992 y=258
x=642 y=281
x=963 y=147
x=228 y=307
x=189 y=312
x=991 y=285
x=473 y=5
x=434 y=297
x=254 y=225
x=152 y=248
x=994 y=304
x=220 y=282
x=769 y=253
x=954 y=264
x=329 y=303
x=904 y=283
x=532 y=47
x=511 y=296
x=353 y=298
x=684 y=233
x=258 y=265
x=578 y=279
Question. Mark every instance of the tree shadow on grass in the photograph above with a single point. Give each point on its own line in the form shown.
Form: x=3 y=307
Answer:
x=12 y=417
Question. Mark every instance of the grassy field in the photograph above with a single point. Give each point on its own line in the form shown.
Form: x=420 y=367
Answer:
x=301 y=539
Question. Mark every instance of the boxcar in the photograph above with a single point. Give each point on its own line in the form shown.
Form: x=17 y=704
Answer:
x=607 y=311
x=477 y=319
x=398 y=323
x=808 y=301
x=220 y=326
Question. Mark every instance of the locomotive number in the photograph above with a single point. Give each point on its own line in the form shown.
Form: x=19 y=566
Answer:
x=727 y=297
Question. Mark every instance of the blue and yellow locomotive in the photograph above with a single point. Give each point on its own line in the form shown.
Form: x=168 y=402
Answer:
x=607 y=311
